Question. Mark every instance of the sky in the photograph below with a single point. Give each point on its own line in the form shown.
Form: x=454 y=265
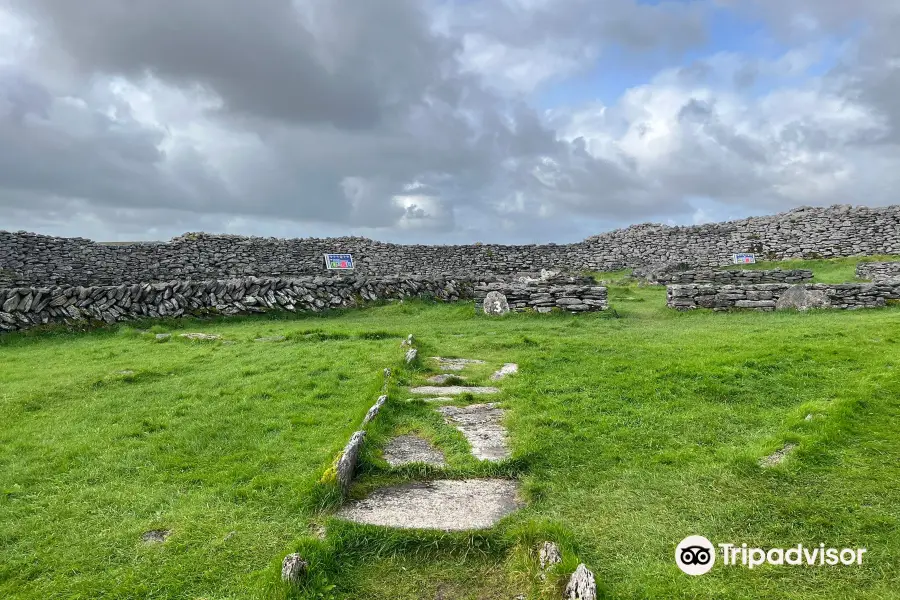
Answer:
x=440 y=121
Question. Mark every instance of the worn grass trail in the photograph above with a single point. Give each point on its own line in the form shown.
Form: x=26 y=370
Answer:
x=629 y=433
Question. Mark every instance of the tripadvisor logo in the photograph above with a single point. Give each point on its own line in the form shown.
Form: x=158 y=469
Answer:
x=696 y=555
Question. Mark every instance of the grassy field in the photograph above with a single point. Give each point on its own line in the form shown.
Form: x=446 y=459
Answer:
x=630 y=430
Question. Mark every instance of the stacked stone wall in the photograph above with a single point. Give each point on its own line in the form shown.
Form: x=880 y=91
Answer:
x=878 y=271
x=22 y=308
x=545 y=296
x=25 y=307
x=736 y=276
x=35 y=260
x=764 y=297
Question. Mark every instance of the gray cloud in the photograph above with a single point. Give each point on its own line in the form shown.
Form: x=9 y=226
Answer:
x=410 y=120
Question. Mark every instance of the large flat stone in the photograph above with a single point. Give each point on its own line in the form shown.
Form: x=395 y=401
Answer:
x=455 y=364
x=409 y=449
x=481 y=424
x=455 y=505
x=451 y=390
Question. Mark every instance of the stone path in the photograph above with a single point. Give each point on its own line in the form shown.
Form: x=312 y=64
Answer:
x=455 y=364
x=448 y=505
x=481 y=424
x=452 y=390
x=409 y=449
x=435 y=399
x=444 y=378
x=457 y=505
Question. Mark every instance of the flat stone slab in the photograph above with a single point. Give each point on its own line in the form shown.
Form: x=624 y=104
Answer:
x=443 y=378
x=271 y=338
x=480 y=423
x=436 y=399
x=409 y=449
x=452 y=390
x=456 y=364
x=507 y=369
x=447 y=505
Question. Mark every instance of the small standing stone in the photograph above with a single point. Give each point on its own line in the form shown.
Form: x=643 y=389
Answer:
x=495 y=304
x=346 y=467
x=373 y=412
x=408 y=341
x=549 y=555
x=582 y=585
x=507 y=369
x=293 y=568
x=411 y=355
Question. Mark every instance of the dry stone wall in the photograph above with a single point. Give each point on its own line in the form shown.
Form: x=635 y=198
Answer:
x=878 y=271
x=765 y=296
x=25 y=307
x=22 y=308
x=736 y=277
x=572 y=294
x=35 y=260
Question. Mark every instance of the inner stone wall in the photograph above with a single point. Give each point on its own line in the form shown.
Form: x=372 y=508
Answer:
x=36 y=260
x=764 y=296
x=736 y=276
x=878 y=271
x=25 y=307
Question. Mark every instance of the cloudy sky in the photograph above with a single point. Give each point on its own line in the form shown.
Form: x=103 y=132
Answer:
x=443 y=121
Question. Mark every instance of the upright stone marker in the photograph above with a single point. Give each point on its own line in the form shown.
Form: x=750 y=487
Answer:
x=495 y=304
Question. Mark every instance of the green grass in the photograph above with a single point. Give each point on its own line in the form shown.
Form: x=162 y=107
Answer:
x=836 y=270
x=630 y=430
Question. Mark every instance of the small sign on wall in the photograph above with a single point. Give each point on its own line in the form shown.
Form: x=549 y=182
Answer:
x=743 y=259
x=340 y=262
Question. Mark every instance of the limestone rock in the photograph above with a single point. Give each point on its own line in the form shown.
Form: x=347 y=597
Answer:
x=582 y=585
x=408 y=449
x=481 y=424
x=455 y=364
x=443 y=378
x=777 y=457
x=156 y=536
x=411 y=355
x=798 y=297
x=408 y=341
x=495 y=303
x=293 y=568
x=346 y=467
x=507 y=369
x=373 y=412
x=549 y=555
x=200 y=336
x=454 y=505
x=452 y=390
x=160 y=337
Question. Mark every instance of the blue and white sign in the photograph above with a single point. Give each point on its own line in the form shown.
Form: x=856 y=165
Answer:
x=340 y=262
x=743 y=259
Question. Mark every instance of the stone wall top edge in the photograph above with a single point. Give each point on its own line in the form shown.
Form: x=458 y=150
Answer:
x=190 y=237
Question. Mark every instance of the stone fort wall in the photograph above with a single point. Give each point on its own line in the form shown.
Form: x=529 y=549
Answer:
x=28 y=259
